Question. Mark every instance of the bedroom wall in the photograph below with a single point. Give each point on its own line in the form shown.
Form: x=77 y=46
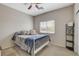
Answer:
x=12 y=21
x=76 y=18
x=61 y=17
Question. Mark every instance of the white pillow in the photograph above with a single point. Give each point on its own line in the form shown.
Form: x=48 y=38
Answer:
x=33 y=32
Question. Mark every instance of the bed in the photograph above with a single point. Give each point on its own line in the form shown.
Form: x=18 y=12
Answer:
x=32 y=43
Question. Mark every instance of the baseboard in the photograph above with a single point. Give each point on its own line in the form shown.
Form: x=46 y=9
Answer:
x=59 y=45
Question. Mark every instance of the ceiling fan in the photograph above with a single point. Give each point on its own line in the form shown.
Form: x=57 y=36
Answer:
x=36 y=5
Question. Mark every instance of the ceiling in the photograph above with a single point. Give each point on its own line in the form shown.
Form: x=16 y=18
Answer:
x=33 y=11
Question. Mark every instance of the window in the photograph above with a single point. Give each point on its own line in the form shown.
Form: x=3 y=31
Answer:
x=47 y=27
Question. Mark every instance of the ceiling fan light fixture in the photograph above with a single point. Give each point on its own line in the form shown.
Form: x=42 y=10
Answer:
x=33 y=4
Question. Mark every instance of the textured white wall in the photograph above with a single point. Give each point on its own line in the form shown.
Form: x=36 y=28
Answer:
x=10 y=22
x=76 y=18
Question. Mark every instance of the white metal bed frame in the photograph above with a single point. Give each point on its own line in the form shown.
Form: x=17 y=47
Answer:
x=33 y=52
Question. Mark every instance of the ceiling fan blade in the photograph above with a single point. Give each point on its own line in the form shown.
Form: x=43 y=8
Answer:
x=38 y=7
x=41 y=8
x=30 y=7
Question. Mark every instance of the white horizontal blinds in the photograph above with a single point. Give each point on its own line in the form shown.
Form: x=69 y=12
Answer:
x=47 y=26
x=51 y=26
x=43 y=27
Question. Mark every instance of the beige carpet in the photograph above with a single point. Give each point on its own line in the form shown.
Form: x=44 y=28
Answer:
x=50 y=50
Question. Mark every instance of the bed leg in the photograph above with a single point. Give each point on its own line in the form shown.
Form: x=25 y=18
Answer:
x=32 y=53
x=33 y=49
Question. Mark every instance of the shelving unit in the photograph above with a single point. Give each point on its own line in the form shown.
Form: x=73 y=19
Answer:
x=70 y=37
x=0 y=51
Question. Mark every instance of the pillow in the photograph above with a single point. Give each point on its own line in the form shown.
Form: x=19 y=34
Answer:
x=33 y=32
x=25 y=32
x=28 y=33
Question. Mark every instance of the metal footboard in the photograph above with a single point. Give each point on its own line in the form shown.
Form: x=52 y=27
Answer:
x=38 y=45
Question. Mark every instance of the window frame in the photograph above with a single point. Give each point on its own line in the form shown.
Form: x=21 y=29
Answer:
x=41 y=31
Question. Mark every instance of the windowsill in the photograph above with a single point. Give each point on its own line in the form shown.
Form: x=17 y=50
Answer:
x=48 y=32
